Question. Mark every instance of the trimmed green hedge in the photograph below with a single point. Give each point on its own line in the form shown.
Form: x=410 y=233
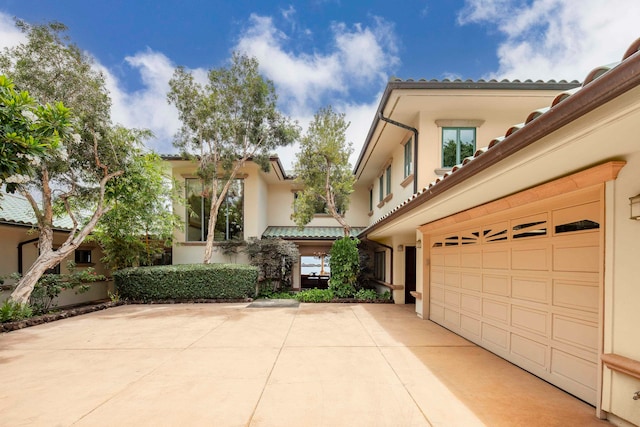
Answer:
x=186 y=282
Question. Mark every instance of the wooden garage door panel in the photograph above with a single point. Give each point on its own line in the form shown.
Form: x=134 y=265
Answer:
x=471 y=259
x=452 y=298
x=530 y=289
x=471 y=303
x=437 y=294
x=452 y=317
x=577 y=295
x=471 y=281
x=470 y=326
x=576 y=332
x=498 y=259
x=530 y=320
x=495 y=335
x=452 y=278
x=497 y=285
x=576 y=369
x=576 y=258
x=495 y=310
x=437 y=276
x=529 y=259
x=529 y=350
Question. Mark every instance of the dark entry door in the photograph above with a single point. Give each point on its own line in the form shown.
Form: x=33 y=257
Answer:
x=409 y=274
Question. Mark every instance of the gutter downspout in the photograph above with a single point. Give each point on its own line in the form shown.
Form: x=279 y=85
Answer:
x=415 y=146
x=20 y=245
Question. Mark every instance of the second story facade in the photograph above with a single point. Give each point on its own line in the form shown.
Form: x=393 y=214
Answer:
x=423 y=129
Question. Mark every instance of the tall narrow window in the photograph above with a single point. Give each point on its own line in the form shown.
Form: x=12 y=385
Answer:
x=408 y=158
x=230 y=221
x=381 y=188
x=457 y=143
x=371 y=199
x=388 y=173
x=379 y=266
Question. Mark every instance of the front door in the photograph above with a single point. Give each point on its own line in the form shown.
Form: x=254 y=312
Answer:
x=409 y=274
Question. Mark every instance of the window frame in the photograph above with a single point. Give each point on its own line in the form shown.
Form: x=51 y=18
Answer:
x=388 y=179
x=408 y=158
x=204 y=225
x=80 y=256
x=457 y=129
x=379 y=265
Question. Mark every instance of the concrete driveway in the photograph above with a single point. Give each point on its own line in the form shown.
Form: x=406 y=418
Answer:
x=231 y=365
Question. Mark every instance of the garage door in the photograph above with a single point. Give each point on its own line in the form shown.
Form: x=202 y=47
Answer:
x=525 y=283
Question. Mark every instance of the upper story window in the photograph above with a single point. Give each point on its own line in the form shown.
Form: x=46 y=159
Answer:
x=381 y=188
x=457 y=143
x=388 y=174
x=408 y=157
x=82 y=256
x=370 y=199
x=230 y=221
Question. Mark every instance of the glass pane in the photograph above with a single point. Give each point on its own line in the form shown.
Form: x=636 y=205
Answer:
x=230 y=220
x=449 y=147
x=195 y=210
x=467 y=143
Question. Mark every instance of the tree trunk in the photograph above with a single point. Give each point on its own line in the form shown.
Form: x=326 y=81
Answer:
x=45 y=260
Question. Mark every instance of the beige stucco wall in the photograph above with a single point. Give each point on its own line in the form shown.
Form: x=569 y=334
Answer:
x=622 y=291
x=12 y=236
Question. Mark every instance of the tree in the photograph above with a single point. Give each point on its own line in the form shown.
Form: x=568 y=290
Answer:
x=72 y=178
x=226 y=122
x=323 y=169
x=141 y=223
x=275 y=259
x=27 y=132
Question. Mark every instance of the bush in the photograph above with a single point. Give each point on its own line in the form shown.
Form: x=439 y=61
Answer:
x=275 y=259
x=366 y=295
x=345 y=265
x=315 y=295
x=11 y=311
x=186 y=282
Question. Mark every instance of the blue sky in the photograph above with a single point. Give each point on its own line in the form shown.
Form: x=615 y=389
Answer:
x=336 y=52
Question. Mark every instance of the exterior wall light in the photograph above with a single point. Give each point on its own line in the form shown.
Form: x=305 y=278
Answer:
x=400 y=248
x=419 y=244
x=634 y=204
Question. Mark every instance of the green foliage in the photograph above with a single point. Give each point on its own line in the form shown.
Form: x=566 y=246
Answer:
x=228 y=121
x=27 y=132
x=366 y=295
x=269 y=294
x=12 y=311
x=186 y=282
x=274 y=259
x=229 y=248
x=50 y=286
x=322 y=167
x=315 y=295
x=140 y=224
x=344 y=263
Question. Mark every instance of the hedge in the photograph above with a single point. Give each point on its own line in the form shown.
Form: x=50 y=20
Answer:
x=186 y=282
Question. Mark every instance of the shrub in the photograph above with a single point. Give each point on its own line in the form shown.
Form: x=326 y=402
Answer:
x=315 y=295
x=366 y=295
x=186 y=282
x=11 y=311
x=274 y=258
x=345 y=265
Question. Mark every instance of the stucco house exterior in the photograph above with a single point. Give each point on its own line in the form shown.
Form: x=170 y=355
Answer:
x=19 y=249
x=502 y=210
x=527 y=247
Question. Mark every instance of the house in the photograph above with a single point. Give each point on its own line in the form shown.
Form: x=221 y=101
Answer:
x=19 y=249
x=528 y=247
x=500 y=208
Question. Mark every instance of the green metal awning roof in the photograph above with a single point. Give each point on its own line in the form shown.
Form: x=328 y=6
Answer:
x=308 y=233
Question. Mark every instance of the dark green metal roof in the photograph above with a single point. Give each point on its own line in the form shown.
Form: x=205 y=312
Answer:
x=308 y=233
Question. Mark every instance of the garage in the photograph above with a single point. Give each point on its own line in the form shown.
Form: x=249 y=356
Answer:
x=522 y=277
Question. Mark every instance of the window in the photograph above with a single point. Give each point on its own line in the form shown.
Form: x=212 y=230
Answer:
x=457 y=143
x=381 y=188
x=379 y=259
x=408 y=157
x=388 y=173
x=53 y=270
x=319 y=207
x=230 y=222
x=371 y=199
x=83 y=256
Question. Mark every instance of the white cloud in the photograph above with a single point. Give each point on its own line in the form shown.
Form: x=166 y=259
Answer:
x=9 y=34
x=556 y=39
x=358 y=58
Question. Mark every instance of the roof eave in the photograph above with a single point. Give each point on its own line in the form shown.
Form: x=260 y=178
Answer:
x=616 y=82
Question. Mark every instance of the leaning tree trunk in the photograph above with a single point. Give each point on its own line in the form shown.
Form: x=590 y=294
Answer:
x=25 y=285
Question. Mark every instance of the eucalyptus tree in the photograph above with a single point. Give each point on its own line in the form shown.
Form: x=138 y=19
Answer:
x=226 y=121
x=322 y=168
x=73 y=177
